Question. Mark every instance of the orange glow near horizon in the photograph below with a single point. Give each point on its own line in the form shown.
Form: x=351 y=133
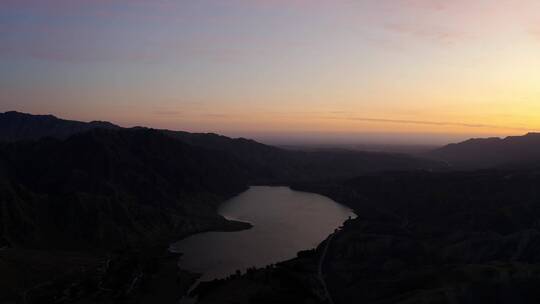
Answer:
x=448 y=69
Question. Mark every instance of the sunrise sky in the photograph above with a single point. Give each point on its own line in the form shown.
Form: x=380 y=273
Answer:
x=404 y=70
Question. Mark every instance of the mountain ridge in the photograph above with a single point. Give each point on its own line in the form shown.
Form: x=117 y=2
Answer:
x=481 y=153
x=16 y=126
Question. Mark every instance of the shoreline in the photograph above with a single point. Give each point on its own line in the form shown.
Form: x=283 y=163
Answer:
x=201 y=287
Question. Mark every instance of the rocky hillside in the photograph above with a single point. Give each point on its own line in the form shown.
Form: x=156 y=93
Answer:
x=438 y=238
x=109 y=187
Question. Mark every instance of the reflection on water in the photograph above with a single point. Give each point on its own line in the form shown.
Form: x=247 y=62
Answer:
x=285 y=222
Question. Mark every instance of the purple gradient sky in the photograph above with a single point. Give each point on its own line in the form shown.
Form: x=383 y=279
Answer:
x=397 y=70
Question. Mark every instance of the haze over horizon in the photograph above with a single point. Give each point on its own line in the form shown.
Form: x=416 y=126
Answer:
x=403 y=71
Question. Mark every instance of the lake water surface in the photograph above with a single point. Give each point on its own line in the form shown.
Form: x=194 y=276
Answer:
x=284 y=222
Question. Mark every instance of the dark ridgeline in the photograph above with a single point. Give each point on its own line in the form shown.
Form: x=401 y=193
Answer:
x=512 y=151
x=87 y=208
x=261 y=163
x=15 y=126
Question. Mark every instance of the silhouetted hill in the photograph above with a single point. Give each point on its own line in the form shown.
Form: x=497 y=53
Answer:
x=261 y=163
x=105 y=188
x=491 y=152
x=268 y=164
x=21 y=126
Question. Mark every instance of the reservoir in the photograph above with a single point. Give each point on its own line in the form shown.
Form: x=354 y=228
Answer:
x=284 y=222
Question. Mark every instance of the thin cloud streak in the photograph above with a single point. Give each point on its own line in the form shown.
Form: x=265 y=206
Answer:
x=433 y=123
x=431 y=32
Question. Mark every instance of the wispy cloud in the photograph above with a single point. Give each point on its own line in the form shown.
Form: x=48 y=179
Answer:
x=168 y=113
x=430 y=4
x=535 y=33
x=431 y=123
x=219 y=115
x=432 y=32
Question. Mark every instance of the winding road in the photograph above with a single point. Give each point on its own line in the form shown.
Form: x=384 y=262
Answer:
x=320 y=271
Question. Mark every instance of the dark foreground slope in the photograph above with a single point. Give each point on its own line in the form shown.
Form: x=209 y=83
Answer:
x=107 y=188
x=441 y=238
x=491 y=152
x=90 y=217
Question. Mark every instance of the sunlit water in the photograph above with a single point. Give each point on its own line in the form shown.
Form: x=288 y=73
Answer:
x=285 y=222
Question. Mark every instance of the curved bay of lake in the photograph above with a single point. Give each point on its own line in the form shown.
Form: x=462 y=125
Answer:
x=284 y=222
